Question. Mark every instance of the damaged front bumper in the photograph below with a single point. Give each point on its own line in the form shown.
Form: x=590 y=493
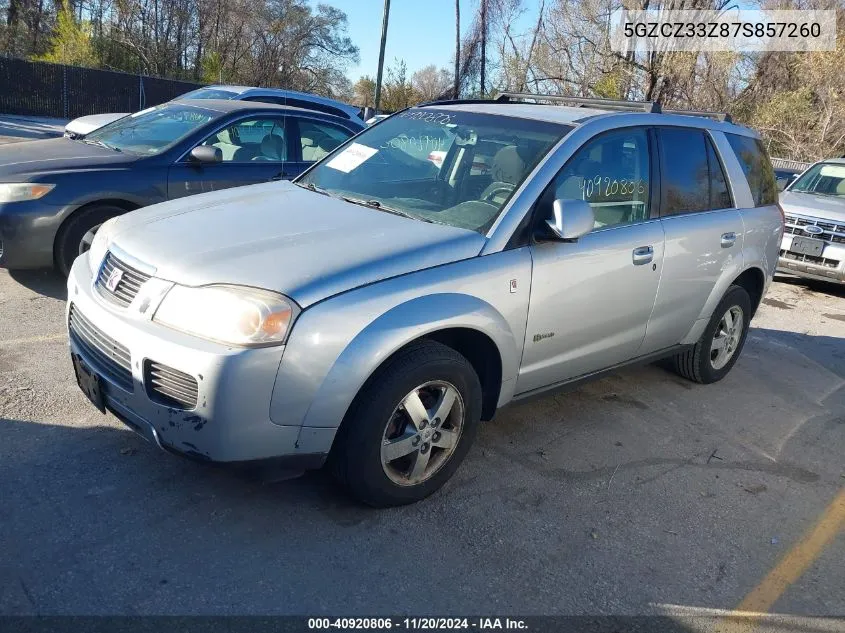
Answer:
x=217 y=407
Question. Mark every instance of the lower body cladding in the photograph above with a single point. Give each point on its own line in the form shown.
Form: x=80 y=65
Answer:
x=198 y=398
x=825 y=262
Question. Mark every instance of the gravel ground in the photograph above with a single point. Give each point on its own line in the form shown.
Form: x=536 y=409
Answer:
x=637 y=494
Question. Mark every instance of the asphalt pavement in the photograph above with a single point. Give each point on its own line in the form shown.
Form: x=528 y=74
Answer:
x=637 y=494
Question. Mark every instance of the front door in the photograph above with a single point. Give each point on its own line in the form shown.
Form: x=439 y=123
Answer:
x=591 y=299
x=254 y=150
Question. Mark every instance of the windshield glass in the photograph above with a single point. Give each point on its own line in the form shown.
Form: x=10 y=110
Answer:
x=209 y=93
x=151 y=131
x=450 y=167
x=825 y=178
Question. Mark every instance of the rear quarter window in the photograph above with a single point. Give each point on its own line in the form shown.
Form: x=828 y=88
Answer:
x=756 y=167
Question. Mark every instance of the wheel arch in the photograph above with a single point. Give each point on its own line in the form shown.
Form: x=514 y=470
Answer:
x=465 y=323
x=753 y=280
x=126 y=205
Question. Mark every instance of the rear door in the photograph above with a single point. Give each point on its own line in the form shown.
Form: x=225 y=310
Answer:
x=704 y=233
x=312 y=140
x=254 y=149
x=591 y=299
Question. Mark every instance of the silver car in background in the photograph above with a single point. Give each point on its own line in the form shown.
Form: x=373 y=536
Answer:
x=373 y=312
x=79 y=127
x=814 y=238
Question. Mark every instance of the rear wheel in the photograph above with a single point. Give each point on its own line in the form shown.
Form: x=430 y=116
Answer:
x=718 y=349
x=78 y=233
x=410 y=427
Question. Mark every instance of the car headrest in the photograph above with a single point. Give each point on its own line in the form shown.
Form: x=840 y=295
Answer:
x=273 y=146
x=223 y=136
x=508 y=166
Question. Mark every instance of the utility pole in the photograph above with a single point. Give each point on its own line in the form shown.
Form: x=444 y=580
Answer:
x=483 y=44
x=457 y=91
x=381 y=53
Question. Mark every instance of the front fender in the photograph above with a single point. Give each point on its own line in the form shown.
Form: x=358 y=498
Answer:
x=395 y=329
x=336 y=345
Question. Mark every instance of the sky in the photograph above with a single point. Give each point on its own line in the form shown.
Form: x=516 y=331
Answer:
x=421 y=32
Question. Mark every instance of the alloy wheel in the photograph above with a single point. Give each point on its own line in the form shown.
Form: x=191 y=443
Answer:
x=422 y=433
x=726 y=337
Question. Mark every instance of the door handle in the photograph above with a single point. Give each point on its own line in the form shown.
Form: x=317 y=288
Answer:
x=728 y=239
x=643 y=255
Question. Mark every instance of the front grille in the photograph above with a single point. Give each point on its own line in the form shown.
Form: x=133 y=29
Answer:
x=169 y=386
x=110 y=357
x=131 y=280
x=810 y=259
x=833 y=232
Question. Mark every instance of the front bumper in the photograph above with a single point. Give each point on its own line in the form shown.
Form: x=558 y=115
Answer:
x=231 y=419
x=829 y=267
x=27 y=232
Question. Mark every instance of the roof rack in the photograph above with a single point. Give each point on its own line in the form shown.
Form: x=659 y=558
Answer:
x=717 y=116
x=652 y=107
x=605 y=104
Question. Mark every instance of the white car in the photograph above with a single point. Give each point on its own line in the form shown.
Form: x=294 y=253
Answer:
x=87 y=124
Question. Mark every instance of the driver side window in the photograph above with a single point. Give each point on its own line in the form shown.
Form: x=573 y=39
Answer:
x=252 y=139
x=612 y=173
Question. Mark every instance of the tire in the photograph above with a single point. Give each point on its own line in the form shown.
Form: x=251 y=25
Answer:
x=698 y=363
x=378 y=418
x=69 y=242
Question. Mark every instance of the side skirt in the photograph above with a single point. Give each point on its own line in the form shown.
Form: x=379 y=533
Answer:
x=573 y=383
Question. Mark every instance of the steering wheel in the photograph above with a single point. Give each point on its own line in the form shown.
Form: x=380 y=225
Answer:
x=497 y=188
x=261 y=157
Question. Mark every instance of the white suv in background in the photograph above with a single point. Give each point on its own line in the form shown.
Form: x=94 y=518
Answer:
x=814 y=236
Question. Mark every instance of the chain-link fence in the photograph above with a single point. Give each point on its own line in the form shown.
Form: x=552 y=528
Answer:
x=55 y=90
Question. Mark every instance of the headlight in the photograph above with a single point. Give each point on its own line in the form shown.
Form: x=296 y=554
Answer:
x=100 y=244
x=22 y=191
x=235 y=315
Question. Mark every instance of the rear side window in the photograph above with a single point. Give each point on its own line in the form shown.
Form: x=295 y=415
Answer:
x=685 y=174
x=757 y=168
x=720 y=197
x=318 y=140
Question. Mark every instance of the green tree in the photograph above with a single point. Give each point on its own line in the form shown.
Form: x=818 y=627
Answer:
x=71 y=42
x=364 y=91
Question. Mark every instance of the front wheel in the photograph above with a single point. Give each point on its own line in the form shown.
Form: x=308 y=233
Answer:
x=718 y=349
x=410 y=427
x=78 y=233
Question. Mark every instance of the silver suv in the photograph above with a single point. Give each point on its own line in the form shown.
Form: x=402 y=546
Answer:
x=371 y=313
x=814 y=241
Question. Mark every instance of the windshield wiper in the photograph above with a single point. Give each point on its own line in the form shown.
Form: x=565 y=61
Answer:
x=375 y=204
x=312 y=187
x=101 y=144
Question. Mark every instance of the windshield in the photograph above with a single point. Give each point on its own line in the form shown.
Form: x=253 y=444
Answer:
x=450 y=167
x=151 y=131
x=209 y=93
x=827 y=179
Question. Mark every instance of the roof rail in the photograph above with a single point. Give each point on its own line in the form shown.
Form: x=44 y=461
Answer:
x=652 y=107
x=718 y=116
x=604 y=104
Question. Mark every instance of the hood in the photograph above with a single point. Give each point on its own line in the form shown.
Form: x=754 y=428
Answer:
x=32 y=158
x=86 y=124
x=813 y=205
x=281 y=237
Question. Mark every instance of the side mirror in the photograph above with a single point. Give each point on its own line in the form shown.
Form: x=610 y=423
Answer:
x=571 y=219
x=206 y=154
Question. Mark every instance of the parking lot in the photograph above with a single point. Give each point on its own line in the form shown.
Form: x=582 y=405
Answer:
x=637 y=494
